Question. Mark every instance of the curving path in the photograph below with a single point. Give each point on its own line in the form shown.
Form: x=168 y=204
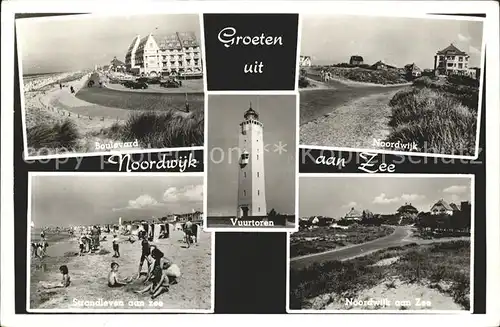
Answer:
x=397 y=238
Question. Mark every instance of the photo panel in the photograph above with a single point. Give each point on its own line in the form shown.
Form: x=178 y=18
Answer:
x=251 y=162
x=404 y=85
x=118 y=242
x=383 y=243
x=88 y=87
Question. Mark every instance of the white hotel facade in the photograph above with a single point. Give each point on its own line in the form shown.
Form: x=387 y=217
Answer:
x=154 y=55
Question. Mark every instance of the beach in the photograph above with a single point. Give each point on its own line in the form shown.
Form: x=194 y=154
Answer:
x=89 y=290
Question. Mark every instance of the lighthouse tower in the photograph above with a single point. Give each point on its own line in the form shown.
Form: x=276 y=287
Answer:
x=252 y=185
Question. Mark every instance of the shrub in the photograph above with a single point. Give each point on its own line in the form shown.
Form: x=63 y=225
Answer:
x=53 y=136
x=304 y=82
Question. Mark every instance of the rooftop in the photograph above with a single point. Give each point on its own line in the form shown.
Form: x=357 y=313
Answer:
x=451 y=50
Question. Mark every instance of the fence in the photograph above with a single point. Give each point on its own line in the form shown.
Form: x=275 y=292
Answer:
x=70 y=114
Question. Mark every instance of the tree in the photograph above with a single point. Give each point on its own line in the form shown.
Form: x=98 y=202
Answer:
x=272 y=213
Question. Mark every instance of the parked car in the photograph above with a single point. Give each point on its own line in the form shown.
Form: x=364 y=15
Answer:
x=171 y=83
x=128 y=84
x=149 y=80
x=139 y=85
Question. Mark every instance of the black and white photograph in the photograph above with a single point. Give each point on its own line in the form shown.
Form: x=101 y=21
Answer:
x=100 y=242
x=392 y=84
x=383 y=243
x=91 y=84
x=251 y=162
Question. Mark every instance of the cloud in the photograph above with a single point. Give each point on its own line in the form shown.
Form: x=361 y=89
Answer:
x=351 y=204
x=140 y=202
x=463 y=38
x=473 y=50
x=382 y=199
x=412 y=197
x=455 y=189
x=191 y=193
x=455 y=198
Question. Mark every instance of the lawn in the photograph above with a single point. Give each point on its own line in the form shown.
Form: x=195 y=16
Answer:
x=141 y=100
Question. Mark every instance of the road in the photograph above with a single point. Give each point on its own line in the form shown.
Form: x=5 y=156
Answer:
x=315 y=103
x=138 y=100
x=395 y=239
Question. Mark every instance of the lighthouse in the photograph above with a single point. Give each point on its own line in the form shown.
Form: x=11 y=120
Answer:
x=251 y=186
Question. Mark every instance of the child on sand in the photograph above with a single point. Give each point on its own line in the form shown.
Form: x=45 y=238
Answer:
x=162 y=278
x=65 y=282
x=116 y=246
x=113 y=278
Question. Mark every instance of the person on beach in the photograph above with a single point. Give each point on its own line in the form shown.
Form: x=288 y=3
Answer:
x=116 y=246
x=189 y=231
x=81 y=242
x=43 y=245
x=65 y=282
x=114 y=280
x=146 y=251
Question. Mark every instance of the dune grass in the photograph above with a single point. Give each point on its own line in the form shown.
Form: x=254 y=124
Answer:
x=427 y=265
x=154 y=129
x=439 y=116
x=56 y=135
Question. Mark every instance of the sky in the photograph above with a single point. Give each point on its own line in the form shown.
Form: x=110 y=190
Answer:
x=89 y=199
x=278 y=115
x=77 y=42
x=394 y=40
x=335 y=196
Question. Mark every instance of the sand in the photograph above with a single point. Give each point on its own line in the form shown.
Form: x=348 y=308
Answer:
x=355 y=124
x=393 y=294
x=89 y=277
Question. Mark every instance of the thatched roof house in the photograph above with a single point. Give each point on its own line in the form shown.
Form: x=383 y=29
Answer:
x=382 y=65
x=441 y=207
x=407 y=210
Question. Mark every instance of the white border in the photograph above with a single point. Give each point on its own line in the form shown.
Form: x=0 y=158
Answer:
x=480 y=97
x=205 y=153
x=331 y=178
x=32 y=174
x=90 y=16
x=491 y=318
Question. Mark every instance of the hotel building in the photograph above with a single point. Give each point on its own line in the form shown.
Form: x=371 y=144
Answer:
x=451 y=61
x=156 y=55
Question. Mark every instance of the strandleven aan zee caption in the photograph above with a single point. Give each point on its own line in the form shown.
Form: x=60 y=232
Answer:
x=368 y=166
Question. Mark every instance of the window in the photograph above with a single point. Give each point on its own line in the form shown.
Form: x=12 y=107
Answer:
x=244 y=193
x=460 y=58
x=459 y=65
x=258 y=174
x=259 y=209
x=245 y=174
x=258 y=192
x=151 y=45
x=257 y=157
